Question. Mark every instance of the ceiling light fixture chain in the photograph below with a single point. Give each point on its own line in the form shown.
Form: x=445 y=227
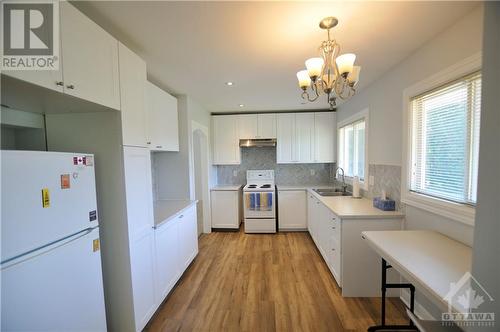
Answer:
x=332 y=74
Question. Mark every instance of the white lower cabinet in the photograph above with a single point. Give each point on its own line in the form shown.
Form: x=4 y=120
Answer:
x=167 y=258
x=355 y=267
x=292 y=210
x=225 y=208
x=176 y=245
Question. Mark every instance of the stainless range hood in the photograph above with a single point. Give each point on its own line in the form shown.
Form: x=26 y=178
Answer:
x=257 y=142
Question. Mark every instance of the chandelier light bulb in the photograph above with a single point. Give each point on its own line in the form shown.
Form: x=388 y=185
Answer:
x=345 y=63
x=354 y=75
x=304 y=79
x=314 y=67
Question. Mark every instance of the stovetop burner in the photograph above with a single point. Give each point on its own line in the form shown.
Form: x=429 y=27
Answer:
x=266 y=186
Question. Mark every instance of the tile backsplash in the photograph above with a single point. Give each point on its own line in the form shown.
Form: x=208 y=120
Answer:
x=285 y=174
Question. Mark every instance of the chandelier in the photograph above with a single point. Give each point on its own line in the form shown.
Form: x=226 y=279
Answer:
x=332 y=74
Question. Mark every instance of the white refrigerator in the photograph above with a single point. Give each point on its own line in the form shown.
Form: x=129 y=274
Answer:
x=51 y=277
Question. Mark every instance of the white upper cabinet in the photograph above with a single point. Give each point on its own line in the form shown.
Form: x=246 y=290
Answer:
x=163 y=119
x=304 y=137
x=286 y=141
x=226 y=142
x=266 y=125
x=90 y=59
x=324 y=137
x=132 y=80
x=50 y=79
x=247 y=126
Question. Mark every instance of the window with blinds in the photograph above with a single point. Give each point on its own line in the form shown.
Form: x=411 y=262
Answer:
x=352 y=149
x=445 y=140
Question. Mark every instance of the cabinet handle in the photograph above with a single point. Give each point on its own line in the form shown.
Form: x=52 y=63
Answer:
x=71 y=86
x=181 y=216
x=333 y=249
x=59 y=83
x=333 y=227
x=159 y=146
x=148 y=143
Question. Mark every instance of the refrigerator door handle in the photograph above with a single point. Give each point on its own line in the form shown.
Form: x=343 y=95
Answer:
x=49 y=246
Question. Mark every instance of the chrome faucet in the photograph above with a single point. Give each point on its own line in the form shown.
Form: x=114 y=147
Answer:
x=344 y=186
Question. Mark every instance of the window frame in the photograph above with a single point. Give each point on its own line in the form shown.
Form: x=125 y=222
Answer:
x=456 y=211
x=358 y=116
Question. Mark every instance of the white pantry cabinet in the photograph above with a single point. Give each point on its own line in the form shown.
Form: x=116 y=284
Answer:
x=132 y=80
x=292 y=210
x=325 y=133
x=163 y=119
x=225 y=206
x=226 y=142
x=90 y=59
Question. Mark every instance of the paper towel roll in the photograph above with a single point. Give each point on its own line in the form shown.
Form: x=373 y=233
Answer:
x=355 y=187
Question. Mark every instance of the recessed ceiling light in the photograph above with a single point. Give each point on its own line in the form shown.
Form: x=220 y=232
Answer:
x=229 y=83
x=241 y=105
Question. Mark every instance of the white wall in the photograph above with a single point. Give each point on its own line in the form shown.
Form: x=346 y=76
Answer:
x=384 y=97
x=486 y=251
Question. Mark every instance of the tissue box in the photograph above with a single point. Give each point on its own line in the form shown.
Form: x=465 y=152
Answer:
x=384 y=204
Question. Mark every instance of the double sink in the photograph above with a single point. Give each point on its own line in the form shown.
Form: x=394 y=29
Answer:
x=332 y=192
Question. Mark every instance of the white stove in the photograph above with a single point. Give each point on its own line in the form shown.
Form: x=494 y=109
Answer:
x=259 y=197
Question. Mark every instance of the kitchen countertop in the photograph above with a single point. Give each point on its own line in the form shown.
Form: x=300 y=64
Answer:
x=167 y=209
x=227 y=187
x=346 y=207
x=303 y=187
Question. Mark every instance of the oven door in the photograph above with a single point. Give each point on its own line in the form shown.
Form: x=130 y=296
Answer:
x=259 y=204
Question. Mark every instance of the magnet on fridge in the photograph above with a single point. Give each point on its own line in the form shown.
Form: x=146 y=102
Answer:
x=95 y=245
x=45 y=198
x=65 y=181
x=88 y=161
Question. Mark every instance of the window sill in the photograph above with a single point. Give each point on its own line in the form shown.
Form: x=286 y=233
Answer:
x=454 y=211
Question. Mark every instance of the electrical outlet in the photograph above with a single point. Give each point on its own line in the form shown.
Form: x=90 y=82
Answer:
x=235 y=173
x=371 y=180
x=313 y=172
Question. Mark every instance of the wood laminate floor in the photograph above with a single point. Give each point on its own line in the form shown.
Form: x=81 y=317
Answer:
x=268 y=282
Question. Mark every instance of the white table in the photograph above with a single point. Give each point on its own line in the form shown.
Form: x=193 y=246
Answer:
x=426 y=259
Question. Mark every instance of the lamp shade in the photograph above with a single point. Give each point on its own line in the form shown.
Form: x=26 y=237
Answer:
x=304 y=79
x=345 y=63
x=354 y=75
x=314 y=66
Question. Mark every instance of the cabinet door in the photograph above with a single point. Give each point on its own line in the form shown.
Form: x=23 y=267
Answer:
x=266 y=125
x=143 y=281
x=292 y=210
x=167 y=258
x=163 y=119
x=310 y=209
x=50 y=79
x=285 y=133
x=226 y=143
x=247 y=126
x=325 y=133
x=138 y=189
x=225 y=209
x=132 y=80
x=90 y=59
x=188 y=237
x=304 y=137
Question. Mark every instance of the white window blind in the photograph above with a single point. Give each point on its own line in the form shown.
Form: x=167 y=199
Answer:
x=445 y=140
x=352 y=149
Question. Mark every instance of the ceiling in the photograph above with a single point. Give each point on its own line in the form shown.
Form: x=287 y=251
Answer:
x=193 y=48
